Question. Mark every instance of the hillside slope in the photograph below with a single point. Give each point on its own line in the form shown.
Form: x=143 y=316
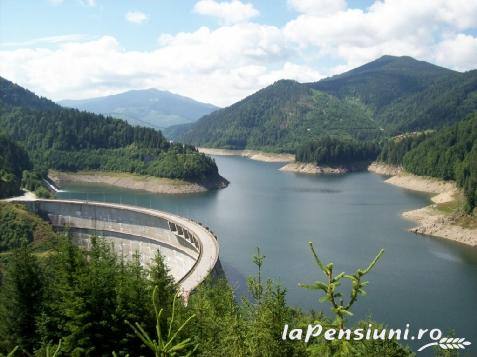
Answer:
x=149 y=107
x=279 y=117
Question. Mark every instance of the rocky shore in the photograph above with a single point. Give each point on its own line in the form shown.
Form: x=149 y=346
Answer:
x=136 y=182
x=313 y=169
x=251 y=154
x=431 y=220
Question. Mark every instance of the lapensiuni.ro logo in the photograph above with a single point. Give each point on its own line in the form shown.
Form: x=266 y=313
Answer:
x=433 y=337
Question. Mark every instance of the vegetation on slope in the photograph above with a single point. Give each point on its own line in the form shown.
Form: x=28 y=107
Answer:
x=336 y=152
x=280 y=117
x=449 y=154
x=67 y=139
x=442 y=103
x=18 y=227
x=381 y=82
x=13 y=160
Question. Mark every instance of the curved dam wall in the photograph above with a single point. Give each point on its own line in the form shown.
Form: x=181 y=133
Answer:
x=189 y=249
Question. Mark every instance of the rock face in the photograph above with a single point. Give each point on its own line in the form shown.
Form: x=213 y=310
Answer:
x=313 y=169
x=384 y=169
x=307 y=168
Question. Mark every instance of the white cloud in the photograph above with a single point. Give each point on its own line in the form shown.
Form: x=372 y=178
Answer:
x=397 y=27
x=136 y=17
x=228 y=12
x=459 y=52
x=55 y=2
x=218 y=66
x=225 y=64
x=317 y=7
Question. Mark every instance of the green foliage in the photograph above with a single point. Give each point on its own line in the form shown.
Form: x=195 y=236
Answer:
x=21 y=295
x=448 y=154
x=67 y=139
x=341 y=308
x=165 y=344
x=18 y=226
x=280 y=117
x=13 y=160
x=333 y=152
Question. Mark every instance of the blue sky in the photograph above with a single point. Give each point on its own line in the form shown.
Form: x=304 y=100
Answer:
x=219 y=51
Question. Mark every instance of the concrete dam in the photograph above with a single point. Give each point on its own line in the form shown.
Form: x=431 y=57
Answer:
x=190 y=250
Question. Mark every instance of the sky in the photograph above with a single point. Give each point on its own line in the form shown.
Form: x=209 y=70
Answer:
x=219 y=51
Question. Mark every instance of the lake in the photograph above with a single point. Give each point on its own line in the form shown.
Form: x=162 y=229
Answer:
x=427 y=282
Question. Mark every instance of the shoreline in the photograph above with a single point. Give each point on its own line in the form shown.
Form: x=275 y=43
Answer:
x=136 y=182
x=250 y=154
x=313 y=169
x=436 y=219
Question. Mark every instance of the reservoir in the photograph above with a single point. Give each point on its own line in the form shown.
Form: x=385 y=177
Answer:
x=426 y=282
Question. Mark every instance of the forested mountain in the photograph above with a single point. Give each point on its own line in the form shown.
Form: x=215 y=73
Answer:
x=381 y=82
x=388 y=96
x=449 y=154
x=280 y=117
x=67 y=139
x=149 y=107
x=441 y=103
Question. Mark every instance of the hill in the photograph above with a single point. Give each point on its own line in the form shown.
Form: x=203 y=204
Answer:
x=279 y=117
x=67 y=139
x=150 y=107
x=385 y=97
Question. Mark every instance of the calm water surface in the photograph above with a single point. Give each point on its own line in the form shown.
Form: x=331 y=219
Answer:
x=426 y=282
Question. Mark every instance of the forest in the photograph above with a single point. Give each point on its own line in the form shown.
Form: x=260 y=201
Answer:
x=448 y=154
x=334 y=152
x=56 y=297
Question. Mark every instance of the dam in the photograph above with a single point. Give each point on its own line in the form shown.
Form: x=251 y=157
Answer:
x=190 y=250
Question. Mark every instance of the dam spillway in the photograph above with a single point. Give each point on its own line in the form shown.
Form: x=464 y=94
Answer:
x=189 y=249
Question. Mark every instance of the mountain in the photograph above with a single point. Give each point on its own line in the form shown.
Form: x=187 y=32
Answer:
x=279 y=117
x=70 y=140
x=380 y=82
x=387 y=96
x=150 y=107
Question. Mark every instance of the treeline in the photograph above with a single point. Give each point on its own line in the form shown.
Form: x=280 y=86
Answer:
x=88 y=300
x=449 y=154
x=336 y=152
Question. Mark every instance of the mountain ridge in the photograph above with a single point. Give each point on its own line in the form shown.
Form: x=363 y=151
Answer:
x=363 y=103
x=145 y=107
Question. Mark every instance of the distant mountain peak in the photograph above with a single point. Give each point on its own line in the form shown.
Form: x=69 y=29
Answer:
x=146 y=107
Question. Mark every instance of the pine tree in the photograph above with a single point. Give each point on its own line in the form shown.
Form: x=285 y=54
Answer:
x=21 y=301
